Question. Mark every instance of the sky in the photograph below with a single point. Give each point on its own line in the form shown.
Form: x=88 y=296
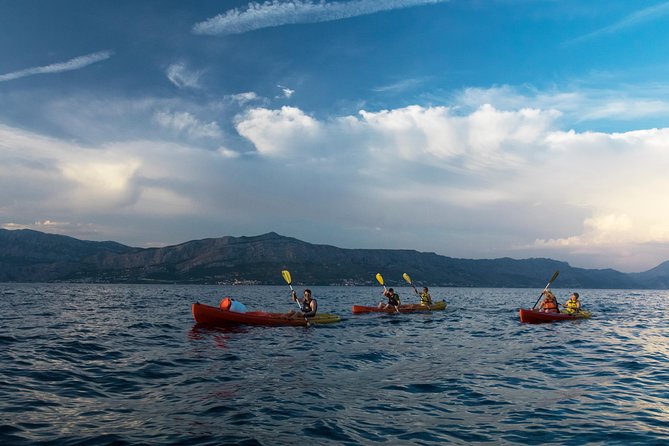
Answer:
x=469 y=128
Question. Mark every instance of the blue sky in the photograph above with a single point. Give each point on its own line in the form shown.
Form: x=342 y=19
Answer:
x=475 y=129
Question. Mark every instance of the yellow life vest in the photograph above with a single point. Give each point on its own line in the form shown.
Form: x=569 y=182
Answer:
x=572 y=305
x=425 y=299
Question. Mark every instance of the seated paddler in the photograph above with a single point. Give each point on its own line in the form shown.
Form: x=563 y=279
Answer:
x=573 y=305
x=550 y=303
x=308 y=305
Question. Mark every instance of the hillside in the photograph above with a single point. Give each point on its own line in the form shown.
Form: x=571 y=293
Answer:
x=30 y=256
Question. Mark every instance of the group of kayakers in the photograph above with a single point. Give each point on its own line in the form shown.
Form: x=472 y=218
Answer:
x=549 y=304
x=309 y=306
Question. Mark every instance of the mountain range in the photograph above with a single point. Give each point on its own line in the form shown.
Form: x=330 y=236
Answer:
x=32 y=256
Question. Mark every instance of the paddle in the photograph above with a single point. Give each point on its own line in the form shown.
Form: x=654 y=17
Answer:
x=379 y=277
x=547 y=285
x=408 y=279
x=286 y=276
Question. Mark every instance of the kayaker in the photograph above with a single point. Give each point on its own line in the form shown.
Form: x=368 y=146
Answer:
x=573 y=305
x=393 y=299
x=308 y=305
x=549 y=304
x=425 y=298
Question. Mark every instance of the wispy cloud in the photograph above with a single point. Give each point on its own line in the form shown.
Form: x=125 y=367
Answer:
x=182 y=77
x=399 y=86
x=72 y=64
x=287 y=92
x=245 y=98
x=184 y=122
x=636 y=18
x=277 y=13
x=577 y=104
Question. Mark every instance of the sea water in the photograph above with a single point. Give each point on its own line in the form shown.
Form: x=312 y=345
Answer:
x=124 y=364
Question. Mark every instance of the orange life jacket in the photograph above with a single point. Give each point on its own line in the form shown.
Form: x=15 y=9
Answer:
x=550 y=305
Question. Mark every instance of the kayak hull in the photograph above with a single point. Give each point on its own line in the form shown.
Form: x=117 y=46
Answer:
x=405 y=308
x=530 y=316
x=212 y=316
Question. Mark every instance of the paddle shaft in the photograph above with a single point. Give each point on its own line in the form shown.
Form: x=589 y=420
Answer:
x=547 y=285
x=288 y=279
x=385 y=290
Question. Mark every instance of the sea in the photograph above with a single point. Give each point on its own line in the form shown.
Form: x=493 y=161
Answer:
x=84 y=364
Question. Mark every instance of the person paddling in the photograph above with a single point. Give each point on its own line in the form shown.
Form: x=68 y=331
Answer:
x=425 y=298
x=573 y=305
x=308 y=305
x=393 y=299
x=549 y=304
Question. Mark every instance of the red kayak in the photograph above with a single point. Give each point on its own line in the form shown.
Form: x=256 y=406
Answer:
x=538 y=317
x=208 y=315
x=406 y=308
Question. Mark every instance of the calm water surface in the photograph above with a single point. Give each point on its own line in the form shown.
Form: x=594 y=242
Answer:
x=117 y=364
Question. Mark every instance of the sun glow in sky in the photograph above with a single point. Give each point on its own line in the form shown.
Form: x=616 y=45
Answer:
x=471 y=129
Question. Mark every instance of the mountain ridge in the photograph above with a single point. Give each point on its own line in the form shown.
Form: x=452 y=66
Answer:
x=33 y=256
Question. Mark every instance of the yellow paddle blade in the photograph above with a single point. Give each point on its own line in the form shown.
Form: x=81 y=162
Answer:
x=379 y=277
x=286 y=276
x=406 y=277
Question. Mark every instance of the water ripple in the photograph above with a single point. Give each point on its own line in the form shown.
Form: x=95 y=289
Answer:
x=116 y=365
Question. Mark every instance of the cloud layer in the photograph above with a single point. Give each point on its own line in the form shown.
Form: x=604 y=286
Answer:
x=471 y=183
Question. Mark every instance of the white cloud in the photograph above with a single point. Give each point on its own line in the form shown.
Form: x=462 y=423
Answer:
x=182 y=77
x=71 y=175
x=608 y=229
x=277 y=13
x=245 y=98
x=72 y=64
x=278 y=132
x=486 y=138
x=287 y=92
x=60 y=177
x=577 y=104
x=110 y=176
x=184 y=122
x=489 y=159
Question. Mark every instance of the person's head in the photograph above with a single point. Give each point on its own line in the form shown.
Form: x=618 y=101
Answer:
x=391 y=291
x=575 y=296
x=424 y=289
x=307 y=294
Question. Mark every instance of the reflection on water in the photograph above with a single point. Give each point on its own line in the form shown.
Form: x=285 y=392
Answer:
x=108 y=364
